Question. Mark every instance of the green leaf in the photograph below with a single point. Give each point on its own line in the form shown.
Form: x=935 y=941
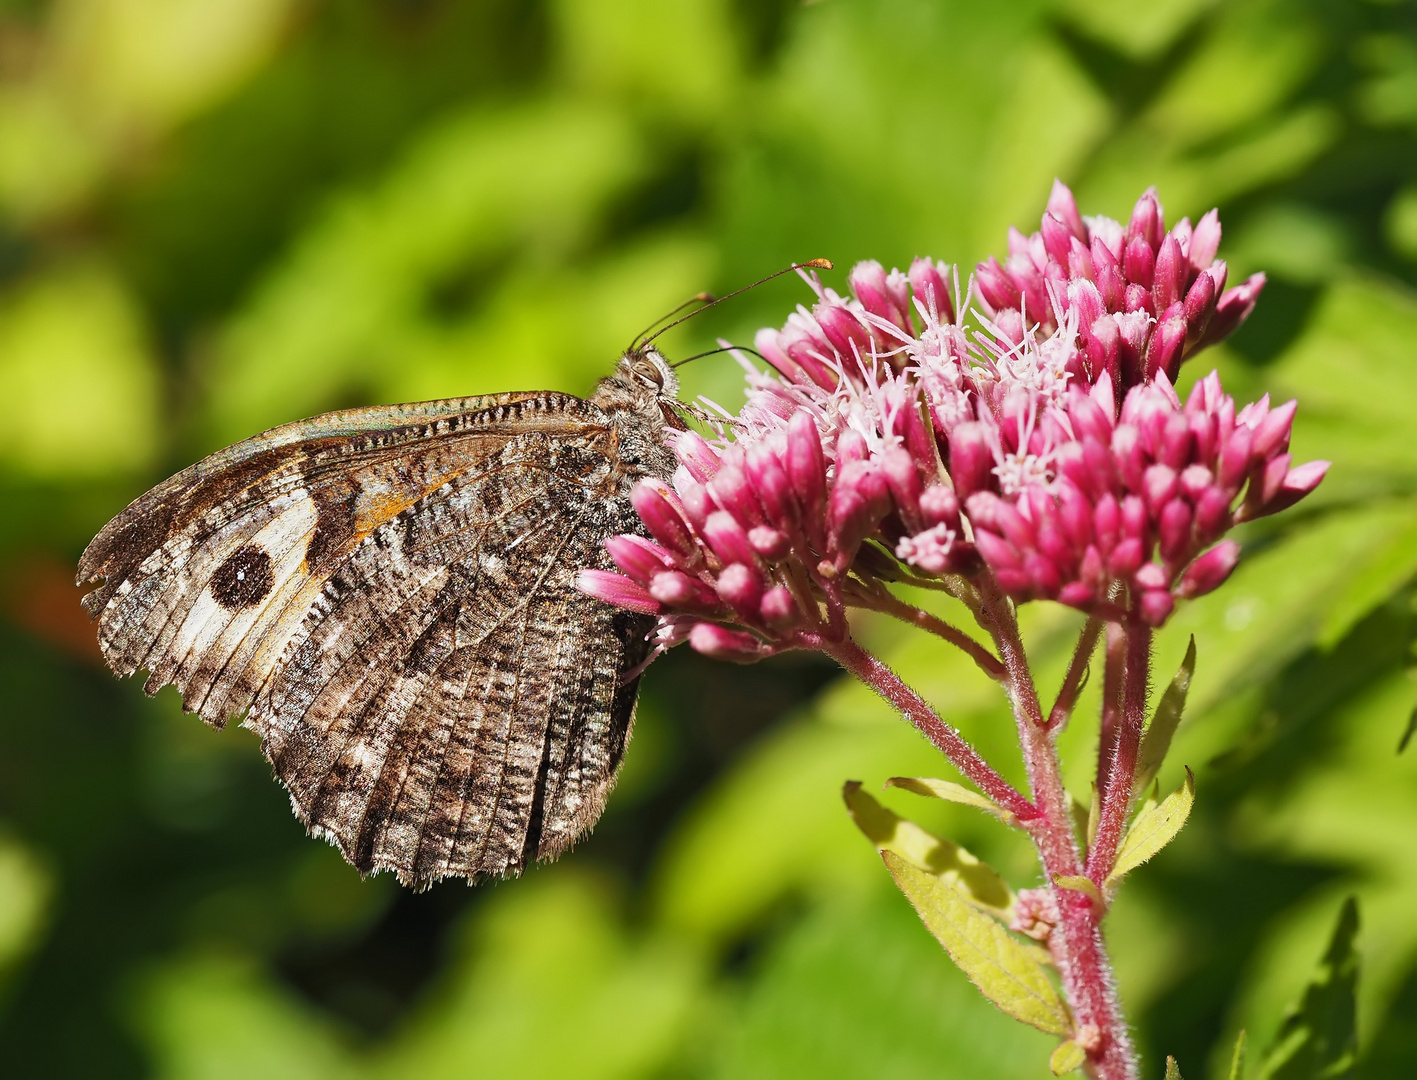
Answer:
x=977 y=881
x=952 y=792
x=1237 y=1059
x=1078 y=883
x=1003 y=970
x=1318 y=1037
x=1173 y=1071
x=1157 y=739
x=1069 y=1057
x=1153 y=829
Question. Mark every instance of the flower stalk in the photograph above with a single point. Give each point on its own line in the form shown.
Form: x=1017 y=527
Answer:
x=1021 y=440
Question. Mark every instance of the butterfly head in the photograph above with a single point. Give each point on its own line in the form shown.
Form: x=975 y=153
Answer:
x=643 y=383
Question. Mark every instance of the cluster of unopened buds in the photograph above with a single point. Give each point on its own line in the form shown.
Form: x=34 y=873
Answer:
x=1052 y=456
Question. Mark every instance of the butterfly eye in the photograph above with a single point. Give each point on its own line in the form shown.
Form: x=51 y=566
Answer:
x=648 y=373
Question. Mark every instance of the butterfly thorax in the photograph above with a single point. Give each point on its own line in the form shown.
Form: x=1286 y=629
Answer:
x=641 y=400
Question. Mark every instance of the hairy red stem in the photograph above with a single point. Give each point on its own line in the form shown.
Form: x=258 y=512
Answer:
x=946 y=739
x=1083 y=963
x=1117 y=794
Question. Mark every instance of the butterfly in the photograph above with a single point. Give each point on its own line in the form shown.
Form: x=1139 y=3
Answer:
x=385 y=595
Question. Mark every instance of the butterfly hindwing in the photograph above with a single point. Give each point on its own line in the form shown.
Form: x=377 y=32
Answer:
x=454 y=706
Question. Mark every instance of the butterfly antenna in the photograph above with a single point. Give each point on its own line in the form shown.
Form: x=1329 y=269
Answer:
x=815 y=264
x=698 y=298
x=721 y=348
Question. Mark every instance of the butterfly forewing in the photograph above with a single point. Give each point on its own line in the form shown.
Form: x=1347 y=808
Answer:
x=388 y=592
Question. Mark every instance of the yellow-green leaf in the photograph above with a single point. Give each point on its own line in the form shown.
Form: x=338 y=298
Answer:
x=1069 y=1057
x=1154 y=828
x=1237 y=1059
x=1173 y=1071
x=1164 y=721
x=1078 y=883
x=952 y=792
x=1005 y=972
x=979 y=882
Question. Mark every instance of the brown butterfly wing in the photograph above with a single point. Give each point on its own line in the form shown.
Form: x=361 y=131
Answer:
x=388 y=592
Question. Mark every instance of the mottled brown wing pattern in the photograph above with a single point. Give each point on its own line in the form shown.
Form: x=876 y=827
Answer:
x=388 y=592
x=453 y=706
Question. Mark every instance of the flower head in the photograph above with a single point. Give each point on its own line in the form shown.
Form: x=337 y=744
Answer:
x=1046 y=449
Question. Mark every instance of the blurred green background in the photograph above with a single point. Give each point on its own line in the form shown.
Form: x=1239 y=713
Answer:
x=217 y=215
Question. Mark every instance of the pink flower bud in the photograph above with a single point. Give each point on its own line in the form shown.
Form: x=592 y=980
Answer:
x=1150 y=576
x=1148 y=220
x=1080 y=264
x=1212 y=514
x=773 y=490
x=741 y=588
x=1092 y=569
x=1107 y=523
x=779 y=607
x=698 y=504
x=1170 y=275
x=1043 y=575
x=1074 y=516
x=1200 y=306
x=697 y=456
x=727 y=538
x=850 y=447
x=1210 y=570
x=843 y=329
x=1111 y=284
x=1139 y=263
x=1134 y=518
x=1126 y=558
x=1064 y=207
x=637 y=557
x=1272 y=478
x=1129 y=456
x=1173 y=531
x=879 y=295
x=1077 y=594
x=1272 y=434
x=1164 y=355
x=663 y=520
x=720 y=643
x=1235 y=458
x=806 y=465
x=768 y=542
x=971 y=458
x=678 y=590
x=1195 y=480
x=904 y=481
x=1057 y=239
x=1156 y=606
x=996 y=551
x=928 y=280
x=1017 y=529
x=939 y=506
x=730 y=489
x=1205 y=241
x=995 y=286
x=1298 y=483
x=768 y=344
x=809 y=354
x=617 y=590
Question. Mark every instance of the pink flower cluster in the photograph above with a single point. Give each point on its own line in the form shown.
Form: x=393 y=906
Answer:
x=1052 y=457
x=1138 y=497
x=1145 y=298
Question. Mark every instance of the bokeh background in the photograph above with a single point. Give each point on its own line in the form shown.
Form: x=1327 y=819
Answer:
x=218 y=215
